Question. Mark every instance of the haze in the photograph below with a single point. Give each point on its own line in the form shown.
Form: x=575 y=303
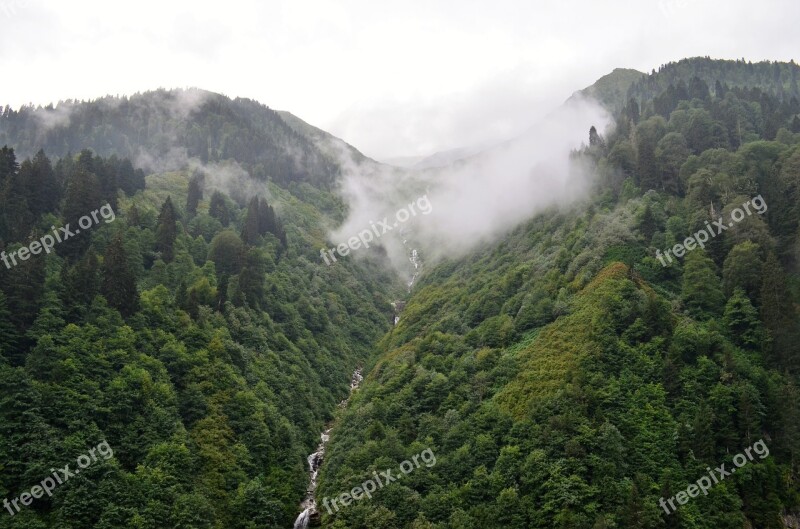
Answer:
x=392 y=78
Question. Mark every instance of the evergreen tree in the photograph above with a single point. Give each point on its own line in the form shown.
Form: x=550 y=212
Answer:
x=119 y=284
x=741 y=320
x=778 y=315
x=81 y=284
x=701 y=291
x=130 y=180
x=8 y=163
x=43 y=192
x=218 y=209
x=16 y=218
x=195 y=194
x=166 y=231
x=134 y=217
x=251 y=228
x=742 y=269
x=647 y=223
x=82 y=197
x=24 y=286
x=251 y=279
x=594 y=138
x=8 y=333
x=632 y=110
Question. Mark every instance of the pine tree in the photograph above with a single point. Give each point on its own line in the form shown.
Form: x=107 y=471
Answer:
x=741 y=320
x=251 y=227
x=16 y=218
x=42 y=190
x=8 y=163
x=778 y=316
x=702 y=291
x=24 y=286
x=166 y=231
x=632 y=110
x=129 y=179
x=195 y=194
x=8 y=333
x=119 y=283
x=219 y=209
x=81 y=284
x=134 y=217
x=251 y=279
x=82 y=197
x=594 y=138
x=742 y=269
x=647 y=224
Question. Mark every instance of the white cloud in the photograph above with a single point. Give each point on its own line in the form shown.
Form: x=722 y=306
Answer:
x=392 y=78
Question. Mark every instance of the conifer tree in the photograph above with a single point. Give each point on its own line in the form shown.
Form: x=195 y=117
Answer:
x=119 y=283
x=741 y=320
x=778 y=316
x=251 y=227
x=219 y=209
x=701 y=291
x=82 y=197
x=8 y=333
x=195 y=194
x=166 y=231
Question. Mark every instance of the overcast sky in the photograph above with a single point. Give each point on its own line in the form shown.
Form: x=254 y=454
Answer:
x=394 y=78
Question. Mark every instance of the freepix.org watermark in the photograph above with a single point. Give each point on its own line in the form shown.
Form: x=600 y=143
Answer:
x=48 y=242
x=59 y=477
x=371 y=485
x=713 y=229
x=365 y=237
x=706 y=482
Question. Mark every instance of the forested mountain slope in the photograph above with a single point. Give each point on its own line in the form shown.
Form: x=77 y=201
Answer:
x=191 y=327
x=564 y=377
x=162 y=129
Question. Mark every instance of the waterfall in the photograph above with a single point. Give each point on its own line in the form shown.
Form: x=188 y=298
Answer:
x=302 y=520
x=413 y=257
x=309 y=504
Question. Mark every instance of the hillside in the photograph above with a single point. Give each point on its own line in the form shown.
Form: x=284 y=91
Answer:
x=611 y=90
x=564 y=378
x=191 y=328
x=161 y=130
x=575 y=372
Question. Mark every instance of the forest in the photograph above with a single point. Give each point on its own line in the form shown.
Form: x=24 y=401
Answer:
x=193 y=335
x=563 y=377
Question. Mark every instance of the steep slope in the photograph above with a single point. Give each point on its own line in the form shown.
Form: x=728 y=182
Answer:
x=612 y=89
x=564 y=378
x=194 y=330
x=161 y=130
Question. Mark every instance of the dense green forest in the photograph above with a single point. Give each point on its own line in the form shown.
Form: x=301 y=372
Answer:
x=562 y=376
x=196 y=335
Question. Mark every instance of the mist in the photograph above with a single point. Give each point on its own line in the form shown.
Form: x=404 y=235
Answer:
x=477 y=200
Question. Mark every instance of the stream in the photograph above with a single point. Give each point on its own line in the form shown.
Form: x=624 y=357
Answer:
x=309 y=504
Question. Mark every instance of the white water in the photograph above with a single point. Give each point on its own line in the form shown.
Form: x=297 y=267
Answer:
x=315 y=460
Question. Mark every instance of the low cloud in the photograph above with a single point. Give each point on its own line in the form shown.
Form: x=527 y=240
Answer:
x=479 y=199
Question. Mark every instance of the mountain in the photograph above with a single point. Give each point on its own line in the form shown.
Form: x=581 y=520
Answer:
x=611 y=90
x=585 y=369
x=191 y=327
x=161 y=130
x=564 y=376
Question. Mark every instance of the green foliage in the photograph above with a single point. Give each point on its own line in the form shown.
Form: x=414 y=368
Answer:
x=562 y=376
x=208 y=365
